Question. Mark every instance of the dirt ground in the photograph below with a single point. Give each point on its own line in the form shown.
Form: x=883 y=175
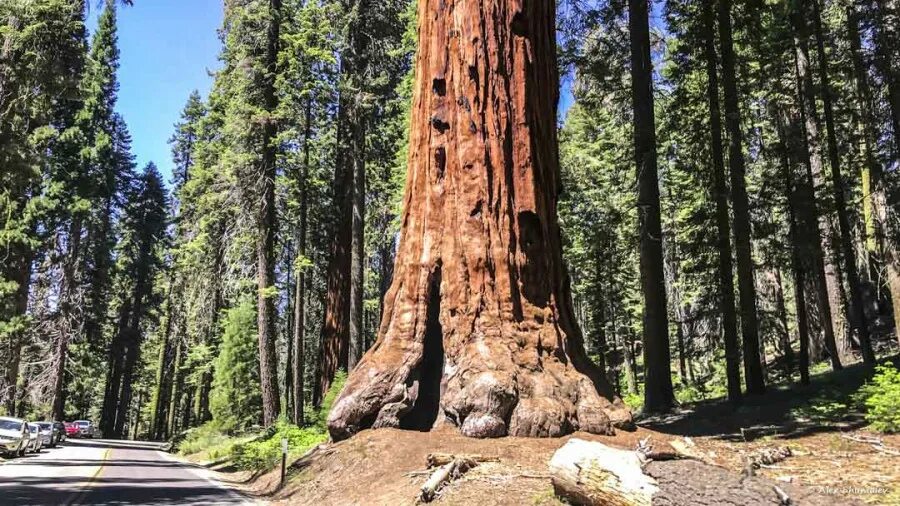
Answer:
x=832 y=454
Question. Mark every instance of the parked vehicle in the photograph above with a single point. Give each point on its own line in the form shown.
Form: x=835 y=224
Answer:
x=71 y=429
x=61 y=434
x=48 y=434
x=34 y=439
x=14 y=436
x=87 y=429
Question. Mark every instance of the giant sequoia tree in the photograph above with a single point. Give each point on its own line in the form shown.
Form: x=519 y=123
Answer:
x=478 y=327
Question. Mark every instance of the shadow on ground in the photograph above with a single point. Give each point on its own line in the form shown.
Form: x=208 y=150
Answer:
x=786 y=410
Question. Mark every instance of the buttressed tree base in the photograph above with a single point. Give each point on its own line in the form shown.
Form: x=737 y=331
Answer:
x=478 y=328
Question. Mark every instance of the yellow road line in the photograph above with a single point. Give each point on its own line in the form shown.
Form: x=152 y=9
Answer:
x=78 y=495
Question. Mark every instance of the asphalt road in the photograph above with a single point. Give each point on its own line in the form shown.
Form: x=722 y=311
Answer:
x=108 y=472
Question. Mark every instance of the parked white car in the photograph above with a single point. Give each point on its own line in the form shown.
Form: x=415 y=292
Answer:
x=14 y=436
x=35 y=443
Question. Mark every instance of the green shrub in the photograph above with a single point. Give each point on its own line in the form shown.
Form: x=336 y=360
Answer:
x=688 y=394
x=881 y=399
x=265 y=453
x=634 y=401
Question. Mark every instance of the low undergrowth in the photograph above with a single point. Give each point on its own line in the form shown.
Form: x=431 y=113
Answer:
x=260 y=449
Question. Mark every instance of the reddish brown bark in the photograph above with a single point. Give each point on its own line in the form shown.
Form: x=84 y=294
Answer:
x=478 y=327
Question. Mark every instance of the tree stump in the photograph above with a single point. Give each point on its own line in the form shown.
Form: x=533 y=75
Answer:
x=478 y=326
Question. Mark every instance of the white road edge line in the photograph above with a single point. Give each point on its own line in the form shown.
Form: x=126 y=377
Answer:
x=194 y=469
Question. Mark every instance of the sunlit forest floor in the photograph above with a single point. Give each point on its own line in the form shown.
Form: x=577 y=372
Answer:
x=832 y=452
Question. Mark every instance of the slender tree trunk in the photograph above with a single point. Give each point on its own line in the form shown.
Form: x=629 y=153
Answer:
x=115 y=373
x=756 y=383
x=177 y=387
x=300 y=294
x=334 y=351
x=887 y=34
x=829 y=282
x=479 y=327
x=132 y=355
x=265 y=243
x=67 y=327
x=21 y=275
x=789 y=147
x=878 y=243
x=848 y=253
x=658 y=392
x=720 y=191
x=784 y=333
x=357 y=247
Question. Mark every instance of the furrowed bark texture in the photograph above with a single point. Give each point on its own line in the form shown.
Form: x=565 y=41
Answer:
x=478 y=326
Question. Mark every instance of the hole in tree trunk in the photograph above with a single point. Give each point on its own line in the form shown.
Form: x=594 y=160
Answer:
x=428 y=402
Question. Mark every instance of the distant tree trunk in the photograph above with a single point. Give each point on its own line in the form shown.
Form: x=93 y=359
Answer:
x=720 y=191
x=478 y=326
x=783 y=333
x=358 y=243
x=177 y=386
x=334 y=351
x=756 y=382
x=792 y=154
x=878 y=242
x=829 y=282
x=848 y=253
x=887 y=34
x=658 y=392
x=163 y=384
x=132 y=356
x=21 y=275
x=68 y=289
x=300 y=290
x=599 y=313
x=115 y=372
x=265 y=241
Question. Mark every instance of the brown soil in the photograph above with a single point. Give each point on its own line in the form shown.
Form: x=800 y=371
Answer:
x=827 y=466
x=388 y=467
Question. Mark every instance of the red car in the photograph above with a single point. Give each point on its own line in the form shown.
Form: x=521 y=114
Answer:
x=71 y=430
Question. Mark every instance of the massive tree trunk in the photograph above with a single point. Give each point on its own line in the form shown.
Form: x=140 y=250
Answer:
x=478 y=327
x=756 y=382
x=265 y=241
x=658 y=391
x=828 y=281
x=720 y=190
x=67 y=321
x=845 y=234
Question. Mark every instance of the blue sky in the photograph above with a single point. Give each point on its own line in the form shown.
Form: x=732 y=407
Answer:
x=167 y=49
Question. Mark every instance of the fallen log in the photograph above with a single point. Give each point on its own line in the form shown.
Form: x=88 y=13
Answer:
x=591 y=473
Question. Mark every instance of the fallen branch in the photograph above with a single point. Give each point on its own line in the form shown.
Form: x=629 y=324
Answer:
x=874 y=442
x=440 y=459
x=450 y=471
